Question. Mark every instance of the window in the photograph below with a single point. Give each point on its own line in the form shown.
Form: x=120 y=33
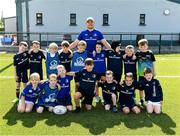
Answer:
x=142 y=19
x=72 y=19
x=39 y=19
x=105 y=19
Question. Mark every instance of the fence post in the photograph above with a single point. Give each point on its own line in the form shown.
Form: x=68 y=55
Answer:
x=160 y=36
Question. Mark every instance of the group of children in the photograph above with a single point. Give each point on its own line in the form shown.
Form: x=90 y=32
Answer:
x=91 y=71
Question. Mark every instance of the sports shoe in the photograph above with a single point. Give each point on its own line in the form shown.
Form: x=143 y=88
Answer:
x=77 y=110
x=114 y=109
x=97 y=99
x=15 y=100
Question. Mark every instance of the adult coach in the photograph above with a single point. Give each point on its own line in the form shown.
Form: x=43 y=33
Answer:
x=91 y=36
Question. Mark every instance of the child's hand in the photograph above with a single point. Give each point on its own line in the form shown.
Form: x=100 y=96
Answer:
x=117 y=49
x=94 y=53
x=30 y=51
x=59 y=87
x=124 y=56
x=134 y=57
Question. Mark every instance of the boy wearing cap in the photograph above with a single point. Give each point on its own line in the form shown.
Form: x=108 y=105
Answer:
x=35 y=59
x=114 y=60
x=91 y=36
x=21 y=63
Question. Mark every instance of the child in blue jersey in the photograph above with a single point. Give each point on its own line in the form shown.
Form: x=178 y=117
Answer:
x=52 y=59
x=129 y=60
x=49 y=94
x=65 y=55
x=21 y=64
x=153 y=92
x=126 y=96
x=79 y=57
x=110 y=89
x=64 y=95
x=145 y=59
x=99 y=57
x=30 y=94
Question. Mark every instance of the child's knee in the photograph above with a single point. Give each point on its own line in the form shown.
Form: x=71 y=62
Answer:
x=113 y=96
x=50 y=109
x=77 y=96
x=20 y=110
x=126 y=110
x=40 y=110
x=88 y=107
x=27 y=110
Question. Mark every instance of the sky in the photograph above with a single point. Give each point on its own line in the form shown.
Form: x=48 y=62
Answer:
x=7 y=8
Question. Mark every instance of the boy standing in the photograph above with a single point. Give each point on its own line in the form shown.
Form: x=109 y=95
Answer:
x=65 y=55
x=21 y=64
x=35 y=59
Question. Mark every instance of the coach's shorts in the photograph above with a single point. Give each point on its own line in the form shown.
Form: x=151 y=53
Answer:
x=88 y=98
x=64 y=101
x=22 y=77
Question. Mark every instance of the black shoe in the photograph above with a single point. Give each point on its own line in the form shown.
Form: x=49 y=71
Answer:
x=77 y=110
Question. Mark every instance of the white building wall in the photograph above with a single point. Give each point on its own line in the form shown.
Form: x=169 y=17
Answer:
x=123 y=15
x=10 y=24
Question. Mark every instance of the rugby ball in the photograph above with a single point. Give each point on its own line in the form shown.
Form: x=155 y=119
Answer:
x=59 y=109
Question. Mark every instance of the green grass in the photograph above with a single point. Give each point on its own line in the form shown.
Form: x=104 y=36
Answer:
x=97 y=121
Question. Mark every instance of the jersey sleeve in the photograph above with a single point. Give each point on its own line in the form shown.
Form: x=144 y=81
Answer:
x=153 y=57
x=100 y=37
x=160 y=90
x=25 y=91
x=14 y=61
x=80 y=37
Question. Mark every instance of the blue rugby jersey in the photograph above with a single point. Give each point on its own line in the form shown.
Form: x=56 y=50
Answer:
x=100 y=62
x=52 y=63
x=48 y=96
x=91 y=38
x=30 y=93
x=65 y=83
x=78 y=61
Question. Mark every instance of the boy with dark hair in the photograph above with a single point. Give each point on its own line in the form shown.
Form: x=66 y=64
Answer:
x=65 y=55
x=35 y=59
x=87 y=81
x=153 y=92
x=21 y=64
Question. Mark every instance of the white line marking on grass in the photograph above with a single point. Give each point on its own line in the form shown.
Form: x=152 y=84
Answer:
x=168 y=58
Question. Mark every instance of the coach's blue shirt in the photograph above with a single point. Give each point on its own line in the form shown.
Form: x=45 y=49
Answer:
x=91 y=37
x=65 y=83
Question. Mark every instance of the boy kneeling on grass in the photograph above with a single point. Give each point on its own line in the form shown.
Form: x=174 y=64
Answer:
x=30 y=94
x=153 y=92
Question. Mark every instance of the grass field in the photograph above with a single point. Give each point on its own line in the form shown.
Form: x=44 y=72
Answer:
x=97 y=121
